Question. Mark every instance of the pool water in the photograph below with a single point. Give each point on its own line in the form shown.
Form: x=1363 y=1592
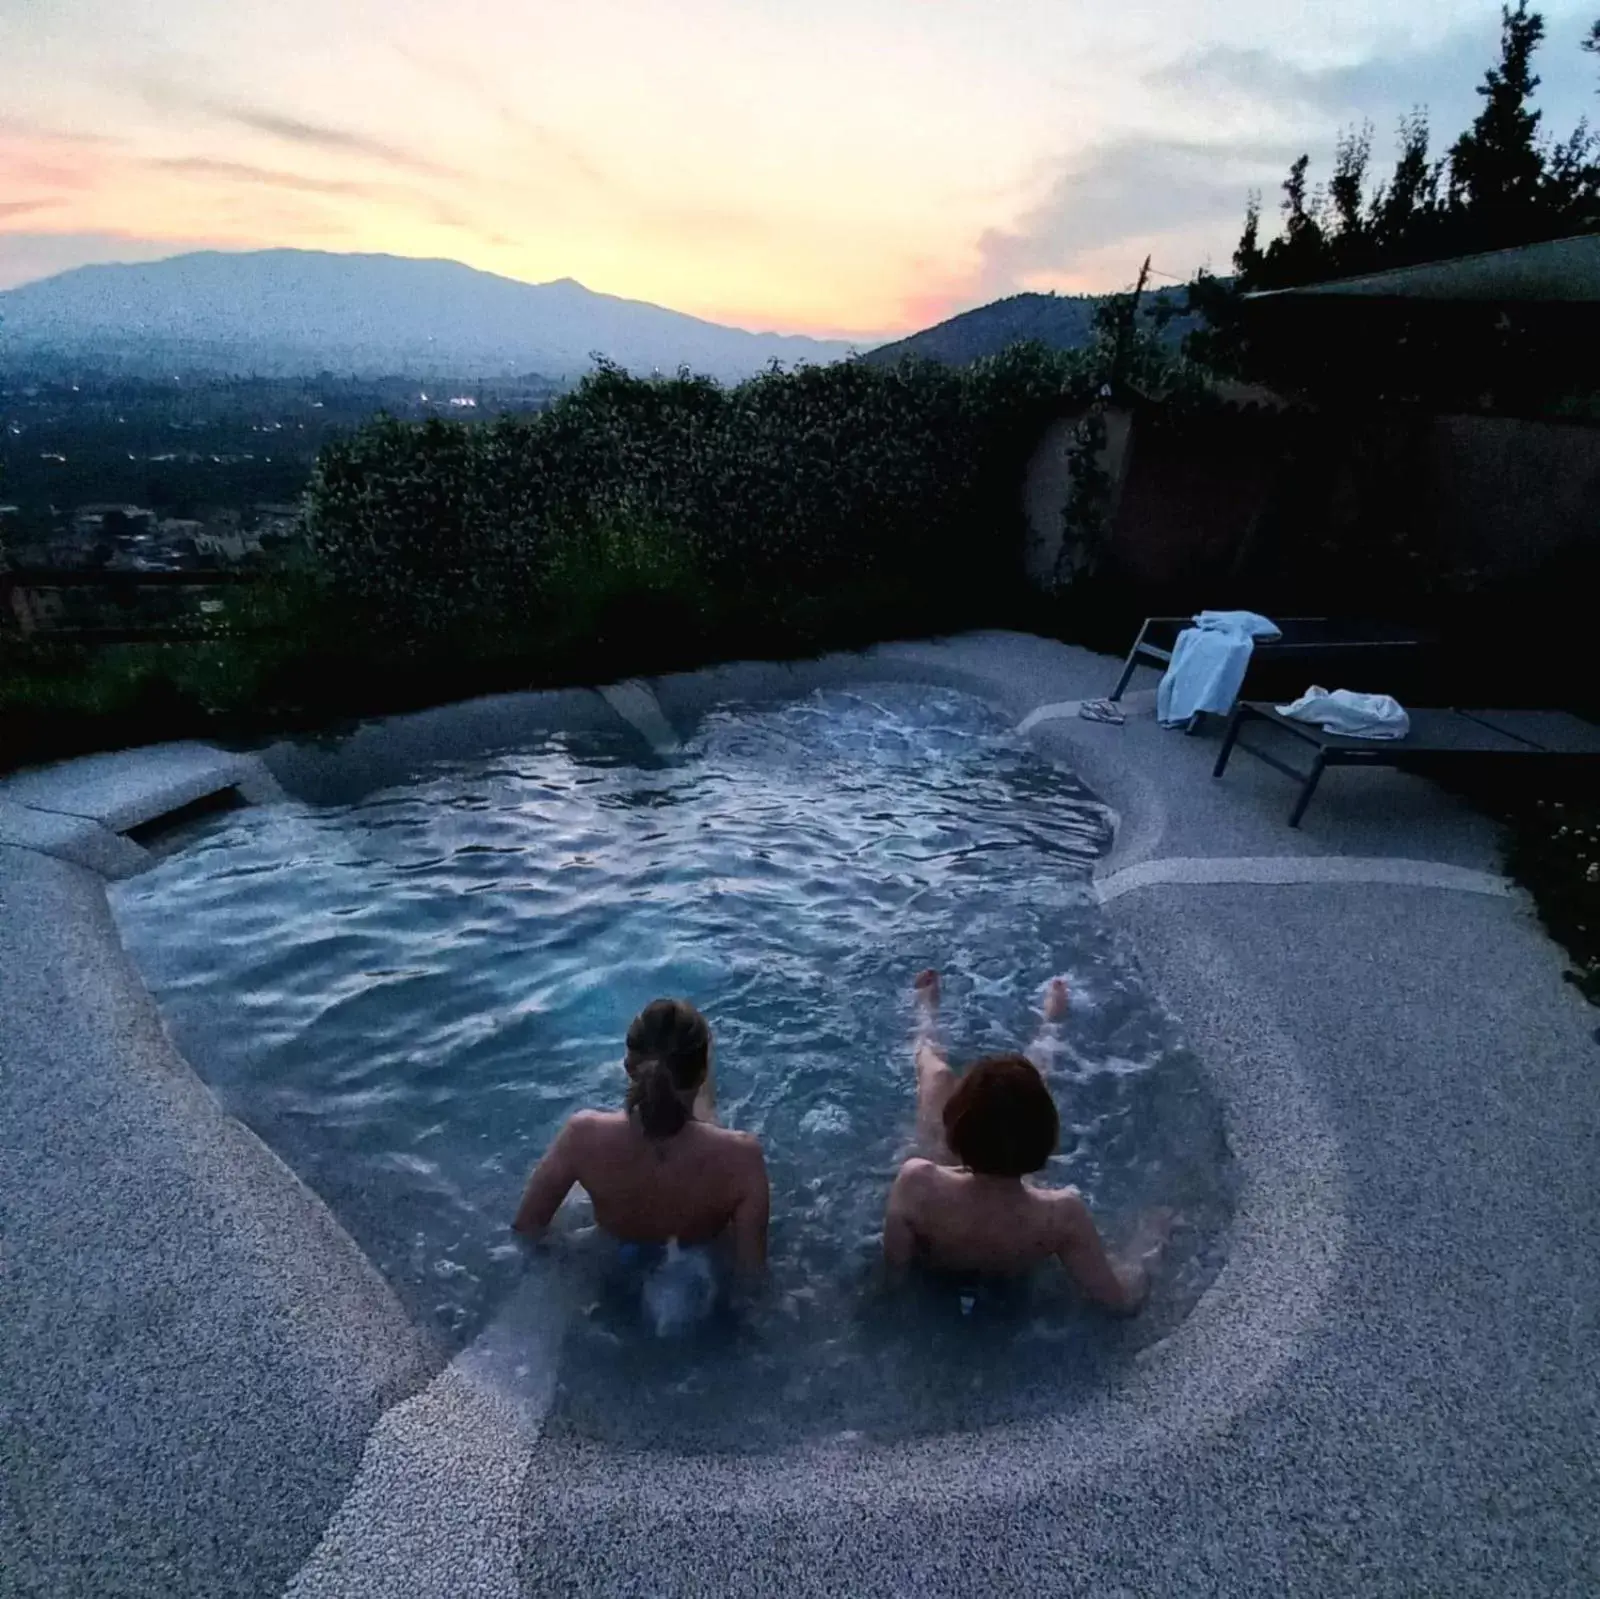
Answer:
x=406 y=995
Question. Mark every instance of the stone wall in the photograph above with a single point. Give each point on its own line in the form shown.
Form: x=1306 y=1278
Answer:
x=1197 y=501
x=1505 y=495
x=1048 y=480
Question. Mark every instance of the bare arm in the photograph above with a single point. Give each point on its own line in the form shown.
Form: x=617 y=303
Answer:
x=550 y=1183
x=750 y=1214
x=1083 y=1252
x=899 y=1232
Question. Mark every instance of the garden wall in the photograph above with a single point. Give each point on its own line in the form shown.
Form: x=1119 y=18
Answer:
x=1506 y=496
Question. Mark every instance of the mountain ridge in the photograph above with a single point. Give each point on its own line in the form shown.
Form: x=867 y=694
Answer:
x=287 y=312
x=1059 y=321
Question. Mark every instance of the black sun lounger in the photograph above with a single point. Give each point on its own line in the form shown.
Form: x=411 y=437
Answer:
x=1314 y=642
x=1439 y=741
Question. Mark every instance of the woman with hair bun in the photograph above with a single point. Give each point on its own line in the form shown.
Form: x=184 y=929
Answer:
x=660 y=1171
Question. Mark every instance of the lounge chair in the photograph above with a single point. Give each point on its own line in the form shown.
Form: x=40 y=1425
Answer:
x=1440 y=741
x=1326 y=648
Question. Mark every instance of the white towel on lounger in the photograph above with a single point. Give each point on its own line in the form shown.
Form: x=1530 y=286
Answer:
x=1349 y=714
x=1208 y=665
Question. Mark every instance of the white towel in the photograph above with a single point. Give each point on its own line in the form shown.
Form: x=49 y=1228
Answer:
x=1238 y=622
x=1208 y=665
x=1349 y=714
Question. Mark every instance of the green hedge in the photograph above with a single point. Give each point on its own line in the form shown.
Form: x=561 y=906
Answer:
x=1554 y=852
x=677 y=504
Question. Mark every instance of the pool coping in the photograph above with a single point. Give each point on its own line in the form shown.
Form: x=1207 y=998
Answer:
x=1289 y=1230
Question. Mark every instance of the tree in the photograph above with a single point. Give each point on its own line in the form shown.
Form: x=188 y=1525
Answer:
x=1501 y=184
x=1304 y=244
x=1247 y=253
x=1296 y=219
x=1411 y=196
x=1570 y=177
x=1497 y=166
x=1347 y=189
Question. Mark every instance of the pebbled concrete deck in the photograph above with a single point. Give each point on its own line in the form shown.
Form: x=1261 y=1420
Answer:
x=1393 y=1386
x=194 y=1350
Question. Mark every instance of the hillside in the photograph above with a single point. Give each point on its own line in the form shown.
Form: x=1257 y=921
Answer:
x=1060 y=321
x=292 y=312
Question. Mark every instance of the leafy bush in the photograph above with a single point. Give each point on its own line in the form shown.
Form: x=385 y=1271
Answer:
x=627 y=583
x=1555 y=853
x=674 y=497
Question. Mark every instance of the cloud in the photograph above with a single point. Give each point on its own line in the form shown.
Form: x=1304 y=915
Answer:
x=1377 y=86
x=449 y=216
x=21 y=128
x=556 y=153
x=33 y=160
x=35 y=174
x=479 y=90
x=17 y=208
x=440 y=212
x=1183 y=198
x=247 y=172
x=1442 y=78
x=1128 y=193
x=319 y=136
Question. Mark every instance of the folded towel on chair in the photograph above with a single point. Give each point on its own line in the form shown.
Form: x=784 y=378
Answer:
x=1350 y=714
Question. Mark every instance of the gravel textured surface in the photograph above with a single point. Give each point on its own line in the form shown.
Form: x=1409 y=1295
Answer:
x=194 y=1351
x=124 y=788
x=1393 y=1386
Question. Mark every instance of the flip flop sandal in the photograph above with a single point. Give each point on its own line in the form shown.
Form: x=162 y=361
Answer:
x=1102 y=711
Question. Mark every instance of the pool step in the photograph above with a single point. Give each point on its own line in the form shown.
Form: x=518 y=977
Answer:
x=636 y=703
x=70 y=838
x=101 y=811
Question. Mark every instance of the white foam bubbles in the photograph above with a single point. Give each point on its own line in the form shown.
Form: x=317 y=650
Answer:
x=826 y=1119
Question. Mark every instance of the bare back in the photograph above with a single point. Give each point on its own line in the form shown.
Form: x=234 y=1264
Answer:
x=959 y=1221
x=694 y=1186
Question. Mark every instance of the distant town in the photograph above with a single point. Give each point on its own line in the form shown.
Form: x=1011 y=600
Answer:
x=193 y=474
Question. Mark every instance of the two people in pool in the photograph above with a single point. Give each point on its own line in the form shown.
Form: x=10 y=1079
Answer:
x=662 y=1169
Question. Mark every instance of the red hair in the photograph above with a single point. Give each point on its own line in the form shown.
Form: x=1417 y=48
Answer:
x=1001 y=1120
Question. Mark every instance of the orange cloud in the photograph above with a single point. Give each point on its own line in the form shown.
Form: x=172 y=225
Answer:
x=18 y=208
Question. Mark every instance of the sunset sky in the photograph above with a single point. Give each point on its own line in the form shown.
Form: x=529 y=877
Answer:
x=838 y=166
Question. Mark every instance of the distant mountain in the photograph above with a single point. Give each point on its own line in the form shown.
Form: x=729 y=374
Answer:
x=1060 y=321
x=288 y=312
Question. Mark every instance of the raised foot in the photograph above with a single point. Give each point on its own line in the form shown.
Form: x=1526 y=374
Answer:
x=1055 y=999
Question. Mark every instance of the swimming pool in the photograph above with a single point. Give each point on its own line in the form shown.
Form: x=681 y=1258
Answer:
x=405 y=995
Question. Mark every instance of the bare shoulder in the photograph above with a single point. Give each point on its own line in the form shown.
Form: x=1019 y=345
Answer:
x=917 y=1175
x=744 y=1148
x=585 y=1128
x=1069 y=1211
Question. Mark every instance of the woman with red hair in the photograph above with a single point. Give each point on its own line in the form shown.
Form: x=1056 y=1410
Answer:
x=967 y=1204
